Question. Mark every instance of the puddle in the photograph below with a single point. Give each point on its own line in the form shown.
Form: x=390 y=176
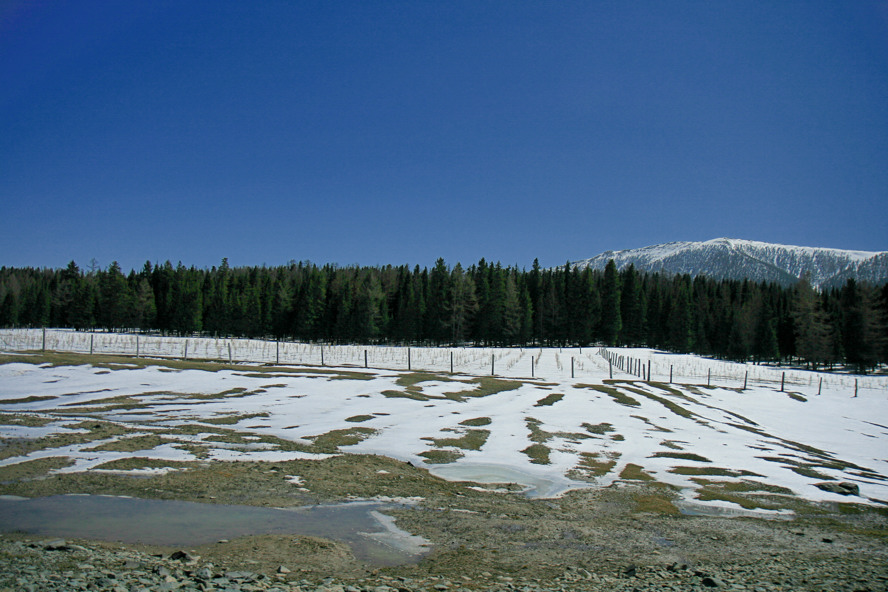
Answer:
x=716 y=511
x=372 y=536
x=535 y=485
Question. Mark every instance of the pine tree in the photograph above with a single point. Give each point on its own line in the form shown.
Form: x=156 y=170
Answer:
x=811 y=331
x=611 y=321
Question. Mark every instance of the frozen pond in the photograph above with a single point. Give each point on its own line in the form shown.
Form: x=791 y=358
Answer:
x=534 y=485
x=372 y=535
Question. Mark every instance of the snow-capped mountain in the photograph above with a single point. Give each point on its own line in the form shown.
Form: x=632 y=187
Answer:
x=726 y=258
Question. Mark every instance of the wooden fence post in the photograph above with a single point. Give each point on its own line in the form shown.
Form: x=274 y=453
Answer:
x=91 y=343
x=229 y=352
x=491 y=364
x=186 y=349
x=137 y=346
x=322 y=355
x=44 y=339
x=670 y=373
x=451 y=362
x=745 y=379
x=782 y=381
x=365 y=358
x=531 y=367
x=408 y=360
x=277 y=352
x=571 y=367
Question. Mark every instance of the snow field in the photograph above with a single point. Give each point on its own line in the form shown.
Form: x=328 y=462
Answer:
x=682 y=434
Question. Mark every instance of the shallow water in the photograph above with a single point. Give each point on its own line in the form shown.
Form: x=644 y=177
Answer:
x=535 y=486
x=371 y=535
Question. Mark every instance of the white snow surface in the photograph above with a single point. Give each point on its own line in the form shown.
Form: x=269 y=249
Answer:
x=792 y=439
x=754 y=260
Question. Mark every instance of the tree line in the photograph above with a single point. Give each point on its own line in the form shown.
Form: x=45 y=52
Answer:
x=485 y=304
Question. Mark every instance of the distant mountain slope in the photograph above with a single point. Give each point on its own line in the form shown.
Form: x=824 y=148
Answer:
x=726 y=258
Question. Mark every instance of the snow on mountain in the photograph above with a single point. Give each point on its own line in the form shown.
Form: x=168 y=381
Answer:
x=726 y=258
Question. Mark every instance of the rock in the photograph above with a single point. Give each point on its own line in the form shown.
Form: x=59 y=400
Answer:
x=711 y=582
x=184 y=557
x=56 y=545
x=842 y=488
x=283 y=570
x=630 y=572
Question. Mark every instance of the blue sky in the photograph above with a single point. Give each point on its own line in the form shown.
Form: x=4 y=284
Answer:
x=379 y=133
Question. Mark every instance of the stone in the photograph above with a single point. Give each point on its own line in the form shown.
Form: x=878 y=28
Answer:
x=283 y=570
x=711 y=582
x=842 y=488
x=184 y=557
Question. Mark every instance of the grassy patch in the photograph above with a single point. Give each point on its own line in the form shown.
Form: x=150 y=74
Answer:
x=25 y=419
x=650 y=423
x=136 y=463
x=359 y=418
x=538 y=453
x=32 y=469
x=476 y=422
x=471 y=440
x=540 y=436
x=145 y=442
x=655 y=504
x=416 y=396
x=106 y=405
x=614 y=393
x=233 y=419
x=441 y=457
x=485 y=386
x=633 y=472
x=549 y=400
x=593 y=465
x=31 y=399
x=742 y=486
x=600 y=429
x=414 y=378
x=332 y=440
x=681 y=455
x=671 y=444
x=797 y=397
x=712 y=471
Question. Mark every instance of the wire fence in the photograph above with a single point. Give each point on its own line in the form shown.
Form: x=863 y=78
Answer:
x=541 y=363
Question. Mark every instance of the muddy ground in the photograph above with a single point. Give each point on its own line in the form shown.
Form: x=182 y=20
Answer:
x=481 y=535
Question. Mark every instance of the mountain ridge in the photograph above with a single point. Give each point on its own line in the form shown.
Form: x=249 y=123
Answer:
x=727 y=258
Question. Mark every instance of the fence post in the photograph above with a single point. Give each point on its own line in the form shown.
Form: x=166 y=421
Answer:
x=855 y=388
x=709 y=377
x=408 y=360
x=491 y=364
x=745 y=379
x=44 y=339
x=670 y=373
x=137 y=346
x=571 y=367
x=365 y=358
x=277 y=352
x=531 y=367
x=451 y=362
x=91 y=343
x=186 y=349
x=649 y=371
x=610 y=366
x=820 y=386
x=782 y=381
x=229 y=352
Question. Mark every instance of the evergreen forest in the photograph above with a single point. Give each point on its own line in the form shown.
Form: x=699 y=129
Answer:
x=486 y=304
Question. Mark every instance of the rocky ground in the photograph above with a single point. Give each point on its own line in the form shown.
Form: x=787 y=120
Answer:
x=626 y=537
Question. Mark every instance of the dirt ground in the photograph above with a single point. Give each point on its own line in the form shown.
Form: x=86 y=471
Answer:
x=479 y=533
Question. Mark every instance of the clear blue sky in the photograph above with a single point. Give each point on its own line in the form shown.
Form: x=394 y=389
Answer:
x=399 y=132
